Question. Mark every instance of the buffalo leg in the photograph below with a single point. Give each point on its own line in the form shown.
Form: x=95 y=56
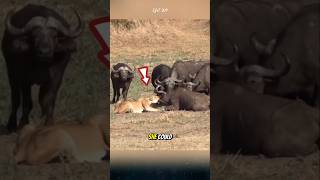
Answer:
x=49 y=91
x=174 y=107
x=117 y=94
x=15 y=102
x=171 y=108
x=114 y=92
x=124 y=93
x=26 y=105
x=125 y=90
x=45 y=99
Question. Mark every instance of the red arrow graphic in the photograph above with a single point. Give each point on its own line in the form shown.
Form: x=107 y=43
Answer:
x=145 y=78
x=100 y=29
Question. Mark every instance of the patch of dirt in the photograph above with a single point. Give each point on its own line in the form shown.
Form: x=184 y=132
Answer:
x=239 y=167
x=191 y=130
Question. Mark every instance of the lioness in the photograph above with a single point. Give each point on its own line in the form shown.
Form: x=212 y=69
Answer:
x=142 y=104
x=80 y=142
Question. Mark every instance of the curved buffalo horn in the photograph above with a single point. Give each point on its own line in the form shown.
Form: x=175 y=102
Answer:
x=269 y=73
x=157 y=81
x=177 y=80
x=34 y=22
x=38 y=21
x=192 y=83
x=157 y=88
x=69 y=32
x=262 y=48
x=131 y=71
x=115 y=71
x=196 y=83
x=160 y=91
x=79 y=28
x=192 y=76
x=218 y=61
x=271 y=46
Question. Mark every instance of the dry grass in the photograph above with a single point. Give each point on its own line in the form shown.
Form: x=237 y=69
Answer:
x=159 y=41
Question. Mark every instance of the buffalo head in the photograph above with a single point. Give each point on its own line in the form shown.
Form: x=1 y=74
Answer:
x=255 y=76
x=165 y=88
x=124 y=73
x=43 y=36
x=192 y=85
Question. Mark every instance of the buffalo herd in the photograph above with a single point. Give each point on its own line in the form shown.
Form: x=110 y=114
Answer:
x=265 y=71
x=184 y=86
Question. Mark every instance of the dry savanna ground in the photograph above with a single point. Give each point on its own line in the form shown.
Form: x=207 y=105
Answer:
x=149 y=43
x=82 y=95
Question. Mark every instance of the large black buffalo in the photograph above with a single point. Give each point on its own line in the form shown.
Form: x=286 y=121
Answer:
x=261 y=124
x=160 y=73
x=180 y=98
x=182 y=69
x=180 y=72
x=251 y=76
x=300 y=41
x=121 y=77
x=235 y=21
x=37 y=46
x=200 y=81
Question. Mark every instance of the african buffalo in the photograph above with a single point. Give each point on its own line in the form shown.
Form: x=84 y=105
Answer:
x=235 y=21
x=37 y=46
x=200 y=81
x=250 y=76
x=181 y=69
x=179 y=73
x=261 y=124
x=300 y=41
x=160 y=72
x=180 y=98
x=121 y=77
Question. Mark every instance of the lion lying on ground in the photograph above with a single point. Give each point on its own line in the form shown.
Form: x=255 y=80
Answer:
x=77 y=142
x=138 y=106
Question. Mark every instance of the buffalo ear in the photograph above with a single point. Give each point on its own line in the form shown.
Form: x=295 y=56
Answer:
x=20 y=45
